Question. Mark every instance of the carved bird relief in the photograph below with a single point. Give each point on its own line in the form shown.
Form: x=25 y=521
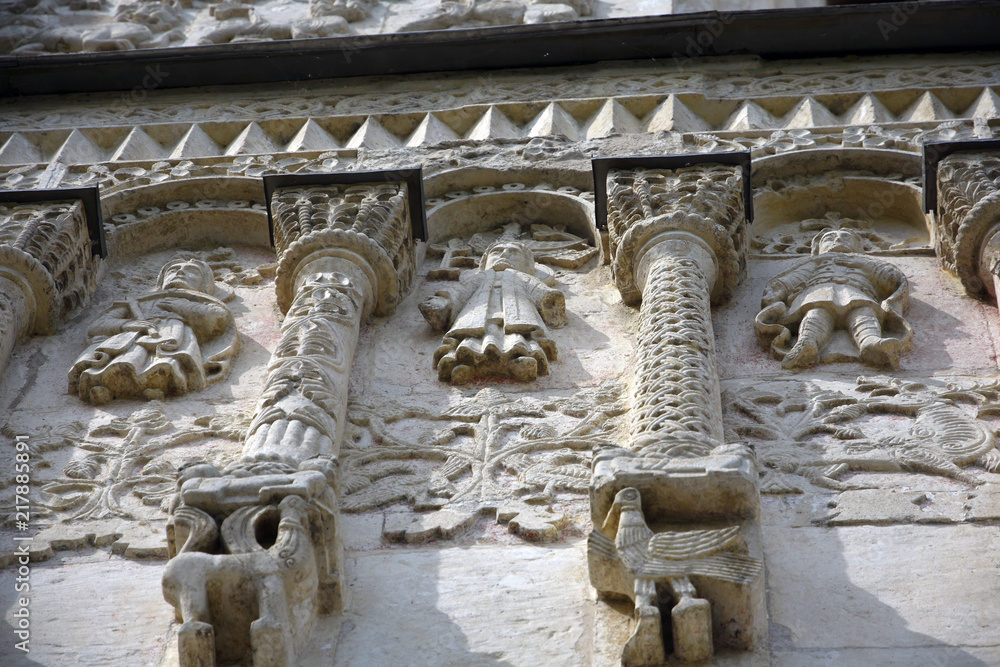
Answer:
x=636 y=559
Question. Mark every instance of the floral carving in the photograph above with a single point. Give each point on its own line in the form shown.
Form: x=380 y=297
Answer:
x=498 y=453
x=806 y=435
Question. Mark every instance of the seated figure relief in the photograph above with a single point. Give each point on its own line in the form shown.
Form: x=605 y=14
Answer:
x=175 y=340
x=837 y=289
x=496 y=319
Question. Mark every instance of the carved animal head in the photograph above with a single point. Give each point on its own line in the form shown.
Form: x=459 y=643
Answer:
x=627 y=499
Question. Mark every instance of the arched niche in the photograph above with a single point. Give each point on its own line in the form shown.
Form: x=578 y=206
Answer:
x=874 y=190
x=460 y=204
x=185 y=213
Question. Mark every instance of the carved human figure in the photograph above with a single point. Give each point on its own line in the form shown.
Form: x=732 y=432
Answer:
x=495 y=319
x=175 y=340
x=838 y=288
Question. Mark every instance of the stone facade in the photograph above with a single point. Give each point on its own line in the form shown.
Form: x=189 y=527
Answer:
x=632 y=363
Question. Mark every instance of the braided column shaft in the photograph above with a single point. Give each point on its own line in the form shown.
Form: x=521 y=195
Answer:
x=676 y=403
x=678 y=244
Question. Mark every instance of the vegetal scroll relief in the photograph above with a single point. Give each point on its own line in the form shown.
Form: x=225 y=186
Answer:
x=800 y=237
x=838 y=289
x=111 y=483
x=805 y=434
x=513 y=457
x=496 y=319
x=176 y=340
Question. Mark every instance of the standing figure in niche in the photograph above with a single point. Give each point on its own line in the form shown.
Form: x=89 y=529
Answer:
x=495 y=319
x=837 y=289
x=176 y=340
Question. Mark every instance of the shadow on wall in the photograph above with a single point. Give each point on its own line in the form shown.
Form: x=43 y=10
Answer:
x=880 y=595
x=499 y=605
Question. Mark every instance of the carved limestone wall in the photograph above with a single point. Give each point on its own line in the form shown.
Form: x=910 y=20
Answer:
x=61 y=26
x=620 y=469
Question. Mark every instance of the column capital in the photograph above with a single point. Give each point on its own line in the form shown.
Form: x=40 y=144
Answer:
x=962 y=188
x=48 y=240
x=372 y=216
x=707 y=195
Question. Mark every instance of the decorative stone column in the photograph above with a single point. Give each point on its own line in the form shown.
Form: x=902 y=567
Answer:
x=47 y=259
x=678 y=243
x=962 y=188
x=345 y=250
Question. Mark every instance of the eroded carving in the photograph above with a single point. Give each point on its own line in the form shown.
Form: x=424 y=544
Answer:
x=109 y=483
x=176 y=340
x=839 y=289
x=677 y=240
x=799 y=238
x=46 y=268
x=343 y=252
x=300 y=413
x=807 y=435
x=499 y=455
x=968 y=215
x=474 y=13
x=627 y=559
x=251 y=589
x=495 y=322
x=496 y=319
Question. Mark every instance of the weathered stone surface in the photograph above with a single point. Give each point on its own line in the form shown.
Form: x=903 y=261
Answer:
x=865 y=610
x=465 y=506
x=447 y=615
x=63 y=632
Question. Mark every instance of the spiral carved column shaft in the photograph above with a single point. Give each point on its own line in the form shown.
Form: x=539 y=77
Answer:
x=344 y=252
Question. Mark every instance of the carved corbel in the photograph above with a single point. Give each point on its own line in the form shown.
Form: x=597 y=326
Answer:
x=962 y=188
x=677 y=229
x=256 y=549
x=697 y=570
x=48 y=243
